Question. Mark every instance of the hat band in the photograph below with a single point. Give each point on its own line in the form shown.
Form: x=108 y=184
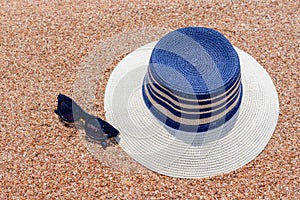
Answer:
x=192 y=123
x=179 y=109
x=191 y=118
x=193 y=104
x=189 y=114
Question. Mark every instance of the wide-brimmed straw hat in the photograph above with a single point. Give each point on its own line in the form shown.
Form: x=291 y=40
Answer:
x=191 y=105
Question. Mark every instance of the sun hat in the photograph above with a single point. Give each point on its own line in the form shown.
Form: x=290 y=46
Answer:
x=191 y=105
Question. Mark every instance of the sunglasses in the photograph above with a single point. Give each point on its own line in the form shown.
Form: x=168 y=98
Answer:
x=96 y=129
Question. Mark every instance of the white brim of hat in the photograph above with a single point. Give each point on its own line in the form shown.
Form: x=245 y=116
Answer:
x=190 y=155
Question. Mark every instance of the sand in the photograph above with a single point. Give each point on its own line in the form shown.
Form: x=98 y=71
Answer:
x=43 y=47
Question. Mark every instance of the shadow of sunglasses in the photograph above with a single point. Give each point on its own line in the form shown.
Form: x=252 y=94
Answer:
x=96 y=129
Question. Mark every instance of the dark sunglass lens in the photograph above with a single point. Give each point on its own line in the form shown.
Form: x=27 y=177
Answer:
x=108 y=129
x=113 y=133
x=66 y=111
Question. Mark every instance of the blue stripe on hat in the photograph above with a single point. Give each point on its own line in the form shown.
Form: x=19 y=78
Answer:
x=195 y=101
x=214 y=110
x=181 y=104
x=192 y=128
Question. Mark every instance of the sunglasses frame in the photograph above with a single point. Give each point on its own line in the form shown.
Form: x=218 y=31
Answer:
x=106 y=130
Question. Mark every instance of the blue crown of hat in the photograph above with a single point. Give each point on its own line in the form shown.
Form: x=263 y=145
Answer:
x=193 y=80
